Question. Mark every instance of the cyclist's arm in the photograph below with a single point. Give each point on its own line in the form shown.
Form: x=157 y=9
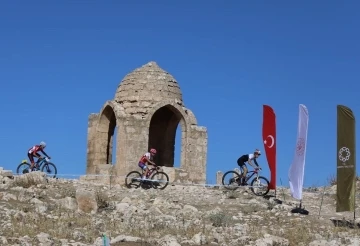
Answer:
x=36 y=154
x=257 y=165
x=44 y=153
x=249 y=161
x=149 y=162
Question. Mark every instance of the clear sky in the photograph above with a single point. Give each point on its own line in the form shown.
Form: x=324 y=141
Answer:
x=61 y=60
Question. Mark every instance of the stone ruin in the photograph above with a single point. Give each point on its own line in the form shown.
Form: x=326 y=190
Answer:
x=145 y=112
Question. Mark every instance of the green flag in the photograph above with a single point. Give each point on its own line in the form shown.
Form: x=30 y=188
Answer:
x=346 y=160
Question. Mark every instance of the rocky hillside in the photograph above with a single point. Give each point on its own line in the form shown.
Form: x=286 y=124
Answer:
x=35 y=210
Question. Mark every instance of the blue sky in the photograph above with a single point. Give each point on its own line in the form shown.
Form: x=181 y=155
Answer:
x=61 y=60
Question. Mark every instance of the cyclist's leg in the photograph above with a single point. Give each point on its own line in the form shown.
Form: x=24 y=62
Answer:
x=31 y=159
x=39 y=159
x=144 y=169
x=245 y=170
x=242 y=165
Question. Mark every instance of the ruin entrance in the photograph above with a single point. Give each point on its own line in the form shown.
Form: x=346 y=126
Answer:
x=178 y=146
x=107 y=138
x=162 y=135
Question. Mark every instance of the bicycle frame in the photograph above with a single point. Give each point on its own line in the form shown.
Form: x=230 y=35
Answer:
x=42 y=162
x=151 y=171
x=253 y=172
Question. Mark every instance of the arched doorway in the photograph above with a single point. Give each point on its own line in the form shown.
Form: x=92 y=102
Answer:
x=107 y=136
x=162 y=135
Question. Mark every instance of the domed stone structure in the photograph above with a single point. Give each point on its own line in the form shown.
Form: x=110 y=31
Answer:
x=146 y=86
x=146 y=111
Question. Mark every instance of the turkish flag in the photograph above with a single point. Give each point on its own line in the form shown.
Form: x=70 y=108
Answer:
x=269 y=137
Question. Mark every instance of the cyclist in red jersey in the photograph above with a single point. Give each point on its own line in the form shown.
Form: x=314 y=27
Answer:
x=32 y=152
x=147 y=158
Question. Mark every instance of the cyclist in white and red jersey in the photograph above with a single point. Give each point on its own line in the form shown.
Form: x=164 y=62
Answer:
x=147 y=158
x=32 y=152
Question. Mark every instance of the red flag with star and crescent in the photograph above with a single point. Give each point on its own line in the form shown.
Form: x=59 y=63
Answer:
x=269 y=137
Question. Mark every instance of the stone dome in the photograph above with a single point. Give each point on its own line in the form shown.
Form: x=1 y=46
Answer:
x=145 y=86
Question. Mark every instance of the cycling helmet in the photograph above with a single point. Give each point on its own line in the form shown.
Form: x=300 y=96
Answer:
x=257 y=152
x=153 y=151
x=42 y=143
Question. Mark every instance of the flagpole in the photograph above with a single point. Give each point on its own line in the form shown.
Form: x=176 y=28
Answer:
x=355 y=201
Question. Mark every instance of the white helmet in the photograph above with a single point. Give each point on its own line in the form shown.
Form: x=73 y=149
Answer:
x=42 y=143
x=257 y=152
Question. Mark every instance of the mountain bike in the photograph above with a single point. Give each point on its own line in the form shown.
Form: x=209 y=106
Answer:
x=42 y=164
x=158 y=178
x=259 y=185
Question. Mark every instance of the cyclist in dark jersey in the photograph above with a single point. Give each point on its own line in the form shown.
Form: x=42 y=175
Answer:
x=248 y=158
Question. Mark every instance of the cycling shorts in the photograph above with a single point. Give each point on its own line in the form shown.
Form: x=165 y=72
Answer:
x=241 y=161
x=142 y=166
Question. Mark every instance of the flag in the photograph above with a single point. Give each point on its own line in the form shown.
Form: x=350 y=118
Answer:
x=346 y=160
x=296 y=171
x=269 y=137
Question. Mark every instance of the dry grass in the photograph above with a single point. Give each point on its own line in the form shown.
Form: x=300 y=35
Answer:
x=220 y=219
x=332 y=180
x=62 y=225
x=86 y=228
x=258 y=219
x=30 y=181
x=102 y=200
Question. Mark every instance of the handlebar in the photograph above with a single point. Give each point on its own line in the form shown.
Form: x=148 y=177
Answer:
x=156 y=167
x=44 y=158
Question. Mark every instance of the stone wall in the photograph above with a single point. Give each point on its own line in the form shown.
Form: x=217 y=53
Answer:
x=91 y=150
x=196 y=154
x=219 y=175
x=136 y=144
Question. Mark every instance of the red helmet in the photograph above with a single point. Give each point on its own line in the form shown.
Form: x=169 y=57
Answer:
x=153 y=151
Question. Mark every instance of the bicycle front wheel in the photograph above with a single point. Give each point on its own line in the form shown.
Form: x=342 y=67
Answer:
x=23 y=168
x=133 y=179
x=260 y=186
x=160 y=180
x=231 y=180
x=50 y=169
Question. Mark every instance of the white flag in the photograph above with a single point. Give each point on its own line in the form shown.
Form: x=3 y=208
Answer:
x=296 y=171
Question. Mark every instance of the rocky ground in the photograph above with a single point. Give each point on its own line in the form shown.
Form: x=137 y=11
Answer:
x=35 y=210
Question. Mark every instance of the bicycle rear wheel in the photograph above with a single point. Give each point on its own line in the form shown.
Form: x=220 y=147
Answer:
x=231 y=180
x=23 y=168
x=159 y=180
x=133 y=179
x=260 y=186
x=50 y=169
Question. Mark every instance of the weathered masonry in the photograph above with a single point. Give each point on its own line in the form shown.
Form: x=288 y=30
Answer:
x=146 y=111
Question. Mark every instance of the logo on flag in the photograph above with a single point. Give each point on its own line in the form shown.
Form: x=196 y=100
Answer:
x=300 y=146
x=344 y=154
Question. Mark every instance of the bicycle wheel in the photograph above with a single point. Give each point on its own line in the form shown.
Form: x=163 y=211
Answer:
x=231 y=180
x=23 y=168
x=260 y=186
x=133 y=179
x=50 y=169
x=159 y=180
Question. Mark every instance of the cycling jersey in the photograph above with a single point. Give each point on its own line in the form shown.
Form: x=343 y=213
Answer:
x=244 y=158
x=143 y=160
x=33 y=150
